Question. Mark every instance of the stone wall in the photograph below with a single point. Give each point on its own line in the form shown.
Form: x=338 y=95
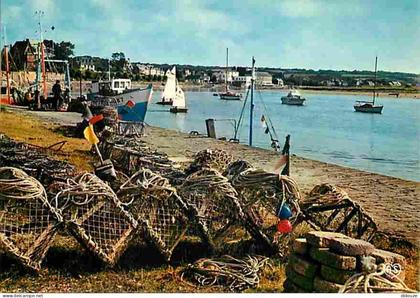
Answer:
x=323 y=261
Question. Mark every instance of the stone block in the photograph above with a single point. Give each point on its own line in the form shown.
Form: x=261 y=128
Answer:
x=301 y=281
x=323 y=239
x=383 y=256
x=326 y=257
x=336 y=275
x=303 y=266
x=324 y=286
x=290 y=287
x=300 y=246
x=351 y=247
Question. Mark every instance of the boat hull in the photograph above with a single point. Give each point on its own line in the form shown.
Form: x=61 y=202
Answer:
x=371 y=110
x=176 y=110
x=131 y=106
x=292 y=101
x=165 y=103
x=229 y=97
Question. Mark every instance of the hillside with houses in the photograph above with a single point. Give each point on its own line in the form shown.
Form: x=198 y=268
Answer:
x=88 y=67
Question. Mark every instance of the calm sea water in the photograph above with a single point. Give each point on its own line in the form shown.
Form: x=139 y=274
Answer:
x=326 y=129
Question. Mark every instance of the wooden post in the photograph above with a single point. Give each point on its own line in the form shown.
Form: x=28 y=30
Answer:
x=211 y=131
x=286 y=151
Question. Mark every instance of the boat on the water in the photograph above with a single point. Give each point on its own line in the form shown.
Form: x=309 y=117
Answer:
x=168 y=95
x=174 y=93
x=293 y=98
x=131 y=104
x=369 y=106
x=229 y=95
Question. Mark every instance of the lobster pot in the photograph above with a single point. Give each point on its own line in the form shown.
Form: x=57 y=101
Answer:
x=214 y=203
x=261 y=195
x=156 y=205
x=329 y=208
x=131 y=160
x=28 y=223
x=95 y=217
x=214 y=159
x=130 y=128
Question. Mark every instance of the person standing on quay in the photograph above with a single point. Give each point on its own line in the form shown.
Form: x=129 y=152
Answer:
x=56 y=90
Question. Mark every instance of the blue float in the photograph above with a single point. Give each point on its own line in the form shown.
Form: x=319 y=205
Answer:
x=285 y=212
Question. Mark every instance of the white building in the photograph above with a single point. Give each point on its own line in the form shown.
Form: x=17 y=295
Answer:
x=85 y=62
x=264 y=78
x=149 y=70
x=221 y=76
x=243 y=80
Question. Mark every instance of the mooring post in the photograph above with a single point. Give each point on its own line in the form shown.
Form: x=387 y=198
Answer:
x=286 y=151
x=211 y=131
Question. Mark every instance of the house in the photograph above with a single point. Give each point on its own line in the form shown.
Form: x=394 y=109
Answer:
x=221 y=76
x=395 y=84
x=25 y=53
x=264 y=78
x=242 y=81
x=279 y=82
x=84 y=62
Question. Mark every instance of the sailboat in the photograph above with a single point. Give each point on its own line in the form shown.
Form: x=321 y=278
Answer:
x=369 y=106
x=173 y=93
x=168 y=94
x=228 y=95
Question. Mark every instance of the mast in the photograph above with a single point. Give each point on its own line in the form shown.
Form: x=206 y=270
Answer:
x=6 y=54
x=227 y=65
x=40 y=13
x=251 y=113
x=374 y=82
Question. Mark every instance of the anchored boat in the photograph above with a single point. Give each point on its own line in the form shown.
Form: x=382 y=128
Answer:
x=293 y=98
x=369 y=106
x=168 y=94
x=229 y=95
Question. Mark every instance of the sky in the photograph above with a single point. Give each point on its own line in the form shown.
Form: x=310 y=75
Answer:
x=311 y=34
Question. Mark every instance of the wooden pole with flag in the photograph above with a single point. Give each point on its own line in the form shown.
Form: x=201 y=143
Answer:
x=286 y=152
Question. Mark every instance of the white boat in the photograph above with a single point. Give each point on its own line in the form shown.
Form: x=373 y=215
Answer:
x=369 y=106
x=168 y=92
x=174 y=93
x=228 y=95
x=293 y=98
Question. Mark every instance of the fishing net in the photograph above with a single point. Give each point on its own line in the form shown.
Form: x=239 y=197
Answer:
x=329 y=208
x=213 y=159
x=227 y=272
x=95 y=216
x=156 y=205
x=28 y=223
x=214 y=203
x=262 y=195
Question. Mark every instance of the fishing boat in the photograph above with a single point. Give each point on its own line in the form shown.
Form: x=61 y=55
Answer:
x=293 y=98
x=369 y=106
x=229 y=95
x=168 y=94
x=131 y=104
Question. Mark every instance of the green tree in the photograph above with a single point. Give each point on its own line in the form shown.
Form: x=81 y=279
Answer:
x=63 y=50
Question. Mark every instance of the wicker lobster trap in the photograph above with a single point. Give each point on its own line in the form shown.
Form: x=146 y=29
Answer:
x=213 y=201
x=262 y=195
x=329 y=208
x=158 y=209
x=28 y=223
x=213 y=159
x=95 y=217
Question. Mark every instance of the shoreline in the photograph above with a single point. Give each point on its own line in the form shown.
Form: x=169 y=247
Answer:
x=392 y=202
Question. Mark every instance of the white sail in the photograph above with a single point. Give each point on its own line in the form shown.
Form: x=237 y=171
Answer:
x=179 y=99
x=170 y=87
